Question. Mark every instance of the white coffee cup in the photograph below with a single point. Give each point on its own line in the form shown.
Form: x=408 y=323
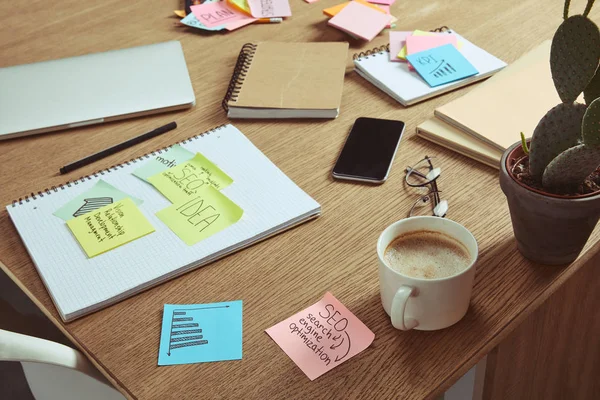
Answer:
x=425 y=304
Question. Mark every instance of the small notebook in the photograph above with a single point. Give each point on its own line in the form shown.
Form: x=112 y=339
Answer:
x=446 y=135
x=407 y=87
x=287 y=80
x=80 y=285
x=511 y=102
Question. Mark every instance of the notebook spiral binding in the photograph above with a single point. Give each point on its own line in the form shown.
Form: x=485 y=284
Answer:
x=384 y=48
x=239 y=74
x=53 y=189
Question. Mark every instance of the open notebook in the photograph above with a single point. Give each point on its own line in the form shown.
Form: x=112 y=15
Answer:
x=80 y=285
x=407 y=87
x=287 y=80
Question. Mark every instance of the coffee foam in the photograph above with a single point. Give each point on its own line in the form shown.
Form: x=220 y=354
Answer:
x=427 y=255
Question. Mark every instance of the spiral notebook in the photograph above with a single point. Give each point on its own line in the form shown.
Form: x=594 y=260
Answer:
x=407 y=87
x=80 y=285
x=287 y=80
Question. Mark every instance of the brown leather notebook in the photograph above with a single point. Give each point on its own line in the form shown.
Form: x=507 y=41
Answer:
x=510 y=102
x=287 y=80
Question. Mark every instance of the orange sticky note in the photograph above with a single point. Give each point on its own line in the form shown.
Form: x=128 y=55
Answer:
x=332 y=11
x=322 y=336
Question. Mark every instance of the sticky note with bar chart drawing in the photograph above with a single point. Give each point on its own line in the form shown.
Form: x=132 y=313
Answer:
x=441 y=65
x=195 y=333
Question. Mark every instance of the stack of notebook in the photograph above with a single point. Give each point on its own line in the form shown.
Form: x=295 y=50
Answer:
x=489 y=119
x=287 y=80
x=396 y=77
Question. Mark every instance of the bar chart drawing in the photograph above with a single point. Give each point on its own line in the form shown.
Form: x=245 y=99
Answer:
x=185 y=328
x=198 y=333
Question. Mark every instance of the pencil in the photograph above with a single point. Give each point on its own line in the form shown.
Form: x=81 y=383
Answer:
x=116 y=148
x=269 y=20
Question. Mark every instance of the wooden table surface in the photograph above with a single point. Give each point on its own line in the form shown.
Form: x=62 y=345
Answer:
x=281 y=276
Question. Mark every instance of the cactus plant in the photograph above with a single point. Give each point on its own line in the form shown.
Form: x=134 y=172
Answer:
x=565 y=146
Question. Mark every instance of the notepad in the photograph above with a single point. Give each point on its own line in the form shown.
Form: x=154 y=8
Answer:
x=360 y=21
x=407 y=87
x=80 y=285
x=287 y=80
x=512 y=102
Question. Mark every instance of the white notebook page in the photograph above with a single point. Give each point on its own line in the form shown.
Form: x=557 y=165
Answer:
x=79 y=285
x=407 y=87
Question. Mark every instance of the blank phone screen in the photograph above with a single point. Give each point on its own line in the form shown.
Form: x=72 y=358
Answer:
x=369 y=149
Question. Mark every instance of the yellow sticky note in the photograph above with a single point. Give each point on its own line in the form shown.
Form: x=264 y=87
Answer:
x=180 y=13
x=403 y=52
x=184 y=180
x=241 y=5
x=332 y=11
x=201 y=216
x=109 y=227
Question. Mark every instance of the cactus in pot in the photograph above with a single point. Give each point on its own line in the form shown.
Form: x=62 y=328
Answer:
x=545 y=183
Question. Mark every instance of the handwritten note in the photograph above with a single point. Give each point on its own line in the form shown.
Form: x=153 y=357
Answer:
x=99 y=195
x=321 y=337
x=218 y=13
x=184 y=180
x=441 y=65
x=270 y=8
x=201 y=216
x=164 y=160
x=109 y=227
x=195 y=333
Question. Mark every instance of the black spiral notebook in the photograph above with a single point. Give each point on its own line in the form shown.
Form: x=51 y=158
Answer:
x=287 y=80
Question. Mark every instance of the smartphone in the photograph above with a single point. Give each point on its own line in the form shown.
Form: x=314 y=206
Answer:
x=369 y=150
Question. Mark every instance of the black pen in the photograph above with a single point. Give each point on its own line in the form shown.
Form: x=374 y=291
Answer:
x=121 y=146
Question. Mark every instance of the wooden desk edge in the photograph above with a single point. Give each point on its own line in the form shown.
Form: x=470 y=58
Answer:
x=115 y=382
x=438 y=389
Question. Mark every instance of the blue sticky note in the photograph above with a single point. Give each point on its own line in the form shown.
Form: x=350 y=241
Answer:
x=195 y=333
x=441 y=65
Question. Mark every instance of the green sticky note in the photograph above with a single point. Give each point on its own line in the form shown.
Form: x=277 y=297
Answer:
x=109 y=227
x=99 y=195
x=169 y=158
x=200 y=216
x=183 y=181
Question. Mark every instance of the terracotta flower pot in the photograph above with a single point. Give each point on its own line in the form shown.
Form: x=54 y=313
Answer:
x=550 y=229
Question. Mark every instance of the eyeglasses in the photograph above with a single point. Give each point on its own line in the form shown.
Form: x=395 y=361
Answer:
x=424 y=175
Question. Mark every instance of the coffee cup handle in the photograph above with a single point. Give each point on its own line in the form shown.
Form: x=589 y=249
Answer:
x=399 y=308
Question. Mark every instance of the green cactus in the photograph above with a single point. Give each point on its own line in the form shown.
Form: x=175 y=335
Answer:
x=570 y=168
x=574 y=56
x=558 y=130
x=565 y=147
x=592 y=91
x=590 y=127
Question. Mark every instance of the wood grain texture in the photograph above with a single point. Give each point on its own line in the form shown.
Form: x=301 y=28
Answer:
x=555 y=352
x=284 y=274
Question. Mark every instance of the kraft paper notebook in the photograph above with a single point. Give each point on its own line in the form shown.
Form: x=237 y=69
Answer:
x=406 y=86
x=79 y=285
x=446 y=135
x=287 y=80
x=511 y=102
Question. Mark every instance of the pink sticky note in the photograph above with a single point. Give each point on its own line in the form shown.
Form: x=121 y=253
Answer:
x=384 y=2
x=384 y=8
x=415 y=44
x=270 y=8
x=218 y=13
x=238 y=24
x=360 y=20
x=397 y=41
x=322 y=336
